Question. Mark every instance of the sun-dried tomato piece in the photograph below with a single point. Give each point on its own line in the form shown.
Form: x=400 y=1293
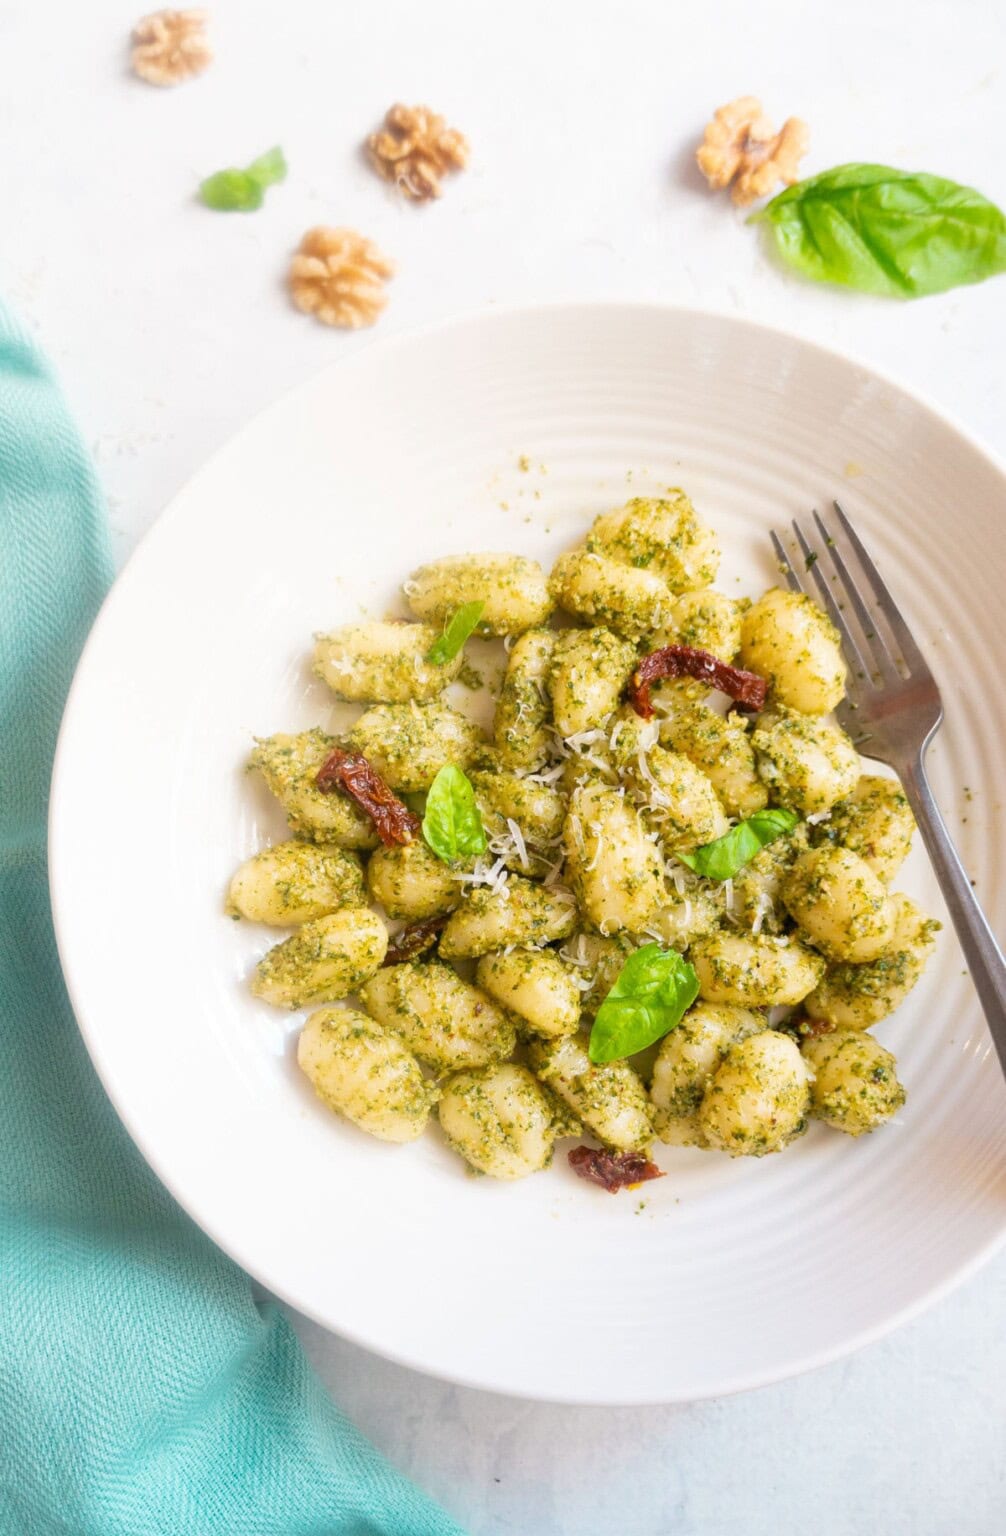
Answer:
x=810 y=1029
x=613 y=1170
x=414 y=940
x=745 y=688
x=350 y=771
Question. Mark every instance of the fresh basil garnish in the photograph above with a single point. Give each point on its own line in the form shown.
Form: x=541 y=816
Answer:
x=452 y=825
x=237 y=191
x=900 y=233
x=722 y=859
x=653 y=989
x=459 y=626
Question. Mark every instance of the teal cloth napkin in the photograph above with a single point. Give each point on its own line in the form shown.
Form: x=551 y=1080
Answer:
x=143 y=1391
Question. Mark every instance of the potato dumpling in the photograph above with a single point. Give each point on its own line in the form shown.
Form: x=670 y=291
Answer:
x=707 y=620
x=446 y=1022
x=500 y=1120
x=410 y=882
x=536 y=986
x=364 y=1073
x=685 y=918
x=721 y=747
x=806 y=764
x=590 y=668
x=408 y=744
x=690 y=1054
x=524 y=913
x=855 y=1085
x=759 y=1097
x=523 y=710
x=512 y=588
x=323 y=961
x=597 y=959
x=293 y=882
x=615 y=869
x=610 y=1099
x=630 y=601
x=876 y=822
x=755 y=971
x=383 y=662
x=839 y=903
x=680 y=801
x=858 y=996
x=757 y=889
x=289 y=765
x=661 y=535
x=787 y=639
x=537 y=809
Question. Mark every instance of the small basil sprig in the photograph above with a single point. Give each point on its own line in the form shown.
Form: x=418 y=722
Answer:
x=457 y=629
x=452 y=824
x=237 y=191
x=722 y=859
x=653 y=989
x=899 y=233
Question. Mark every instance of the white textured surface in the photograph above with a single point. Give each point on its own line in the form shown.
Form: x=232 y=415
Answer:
x=170 y=327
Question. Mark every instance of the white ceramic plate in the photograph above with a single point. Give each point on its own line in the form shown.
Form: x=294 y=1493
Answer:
x=723 y=1275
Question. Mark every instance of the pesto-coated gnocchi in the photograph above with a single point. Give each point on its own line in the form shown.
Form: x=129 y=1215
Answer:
x=535 y=986
x=615 y=869
x=501 y=1120
x=445 y=1021
x=524 y=709
x=876 y=822
x=512 y=588
x=855 y=1086
x=323 y=961
x=289 y=765
x=410 y=882
x=858 y=996
x=759 y=1098
x=590 y=668
x=383 y=663
x=524 y=913
x=610 y=1100
x=839 y=904
x=622 y=864
x=293 y=882
x=364 y=1073
x=788 y=639
x=806 y=764
x=408 y=744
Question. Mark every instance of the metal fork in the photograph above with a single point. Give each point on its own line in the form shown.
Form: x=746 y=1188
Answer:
x=892 y=711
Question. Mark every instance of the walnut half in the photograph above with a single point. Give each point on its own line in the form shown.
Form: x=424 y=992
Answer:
x=414 y=149
x=741 y=146
x=338 y=276
x=170 y=46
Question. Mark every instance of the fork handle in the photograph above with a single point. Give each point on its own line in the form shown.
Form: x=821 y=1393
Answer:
x=981 y=952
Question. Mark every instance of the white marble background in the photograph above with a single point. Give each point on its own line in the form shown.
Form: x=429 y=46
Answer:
x=170 y=326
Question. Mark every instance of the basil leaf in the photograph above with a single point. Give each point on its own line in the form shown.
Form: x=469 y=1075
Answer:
x=459 y=626
x=653 y=989
x=237 y=191
x=721 y=860
x=452 y=825
x=881 y=230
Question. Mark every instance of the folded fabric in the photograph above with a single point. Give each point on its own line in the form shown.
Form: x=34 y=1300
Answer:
x=142 y=1388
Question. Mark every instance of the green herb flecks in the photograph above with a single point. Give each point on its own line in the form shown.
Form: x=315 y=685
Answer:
x=237 y=191
x=457 y=629
x=452 y=825
x=649 y=998
x=899 y=233
x=727 y=855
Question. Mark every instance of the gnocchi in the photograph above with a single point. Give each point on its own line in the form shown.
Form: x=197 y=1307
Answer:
x=293 y=882
x=408 y=744
x=609 y=1099
x=806 y=764
x=788 y=639
x=840 y=905
x=855 y=1085
x=323 y=961
x=589 y=669
x=365 y=1074
x=535 y=986
x=383 y=663
x=759 y=1098
x=523 y=709
x=525 y=914
x=512 y=589
x=501 y=1120
x=445 y=1021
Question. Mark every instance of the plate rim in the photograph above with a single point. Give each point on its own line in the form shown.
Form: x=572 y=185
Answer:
x=387 y=345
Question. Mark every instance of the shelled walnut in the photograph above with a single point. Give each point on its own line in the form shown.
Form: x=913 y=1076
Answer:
x=338 y=276
x=741 y=146
x=170 y=46
x=414 y=149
